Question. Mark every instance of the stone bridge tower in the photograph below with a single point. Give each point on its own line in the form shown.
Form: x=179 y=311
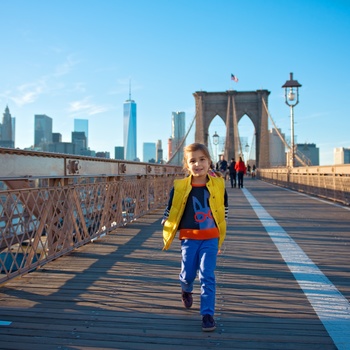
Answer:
x=231 y=106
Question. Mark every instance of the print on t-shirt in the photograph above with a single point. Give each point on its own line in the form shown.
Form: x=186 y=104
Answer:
x=202 y=213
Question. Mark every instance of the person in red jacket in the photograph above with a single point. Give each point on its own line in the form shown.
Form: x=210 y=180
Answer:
x=241 y=171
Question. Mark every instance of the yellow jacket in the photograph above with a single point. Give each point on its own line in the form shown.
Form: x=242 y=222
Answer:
x=182 y=188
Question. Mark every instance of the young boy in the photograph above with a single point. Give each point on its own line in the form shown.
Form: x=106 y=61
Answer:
x=198 y=208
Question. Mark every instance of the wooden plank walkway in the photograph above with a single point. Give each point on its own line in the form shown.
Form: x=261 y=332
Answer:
x=122 y=291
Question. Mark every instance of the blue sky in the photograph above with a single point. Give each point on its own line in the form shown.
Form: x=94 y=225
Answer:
x=74 y=59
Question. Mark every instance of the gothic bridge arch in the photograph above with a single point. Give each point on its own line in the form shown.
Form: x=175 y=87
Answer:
x=231 y=106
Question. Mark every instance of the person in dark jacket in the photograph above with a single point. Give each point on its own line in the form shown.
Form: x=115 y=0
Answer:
x=221 y=166
x=233 y=172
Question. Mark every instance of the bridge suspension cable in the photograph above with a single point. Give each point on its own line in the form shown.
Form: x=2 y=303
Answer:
x=180 y=145
x=252 y=147
x=299 y=156
x=238 y=142
x=237 y=139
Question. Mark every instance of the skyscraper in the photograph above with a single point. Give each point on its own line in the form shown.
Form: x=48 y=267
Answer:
x=119 y=152
x=159 y=152
x=13 y=122
x=309 y=153
x=79 y=139
x=42 y=130
x=277 y=148
x=341 y=155
x=130 y=129
x=56 y=137
x=178 y=120
x=170 y=148
x=149 y=152
x=7 y=133
x=82 y=125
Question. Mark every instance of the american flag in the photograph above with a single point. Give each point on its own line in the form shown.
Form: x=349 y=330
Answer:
x=234 y=78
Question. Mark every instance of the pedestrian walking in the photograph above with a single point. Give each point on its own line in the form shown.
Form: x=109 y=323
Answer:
x=222 y=165
x=233 y=172
x=253 y=171
x=241 y=171
x=198 y=208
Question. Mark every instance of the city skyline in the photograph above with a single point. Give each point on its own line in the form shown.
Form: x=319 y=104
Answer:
x=46 y=140
x=71 y=73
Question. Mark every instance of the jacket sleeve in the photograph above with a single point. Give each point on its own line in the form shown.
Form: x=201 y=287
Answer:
x=167 y=209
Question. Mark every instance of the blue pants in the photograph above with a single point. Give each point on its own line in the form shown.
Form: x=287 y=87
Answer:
x=200 y=256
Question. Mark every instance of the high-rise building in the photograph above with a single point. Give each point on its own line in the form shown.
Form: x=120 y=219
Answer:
x=130 y=129
x=119 y=152
x=178 y=120
x=82 y=125
x=56 y=137
x=170 y=148
x=103 y=155
x=277 y=148
x=42 y=130
x=61 y=147
x=159 y=152
x=309 y=153
x=79 y=139
x=341 y=155
x=13 y=120
x=149 y=152
x=7 y=133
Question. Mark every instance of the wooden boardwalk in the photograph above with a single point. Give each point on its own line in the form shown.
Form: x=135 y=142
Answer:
x=122 y=291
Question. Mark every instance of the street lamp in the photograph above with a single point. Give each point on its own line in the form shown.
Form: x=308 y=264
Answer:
x=247 y=150
x=216 y=142
x=291 y=94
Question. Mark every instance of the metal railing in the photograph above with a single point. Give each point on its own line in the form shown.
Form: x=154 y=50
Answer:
x=329 y=182
x=51 y=204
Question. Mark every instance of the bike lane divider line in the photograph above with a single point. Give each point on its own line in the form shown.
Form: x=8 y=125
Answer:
x=332 y=308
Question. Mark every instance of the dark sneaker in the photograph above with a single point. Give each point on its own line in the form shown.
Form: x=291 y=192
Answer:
x=208 y=323
x=187 y=299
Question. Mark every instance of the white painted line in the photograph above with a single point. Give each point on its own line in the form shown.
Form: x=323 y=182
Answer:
x=5 y=323
x=332 y=308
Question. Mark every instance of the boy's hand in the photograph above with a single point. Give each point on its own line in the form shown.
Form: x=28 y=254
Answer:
x=163 y=222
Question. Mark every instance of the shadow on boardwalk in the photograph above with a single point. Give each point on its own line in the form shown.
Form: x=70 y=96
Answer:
x=122 y=292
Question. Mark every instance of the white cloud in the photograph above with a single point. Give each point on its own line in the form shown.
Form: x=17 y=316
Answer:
x=86 y=107
x=65 y=67
x=28 y=93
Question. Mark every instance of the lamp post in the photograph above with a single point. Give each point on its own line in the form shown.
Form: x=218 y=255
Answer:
x=216 y=142
x=247 y=150
x=291 y=94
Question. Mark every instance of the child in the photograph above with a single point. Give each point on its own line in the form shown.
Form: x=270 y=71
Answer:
x=198 y=208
